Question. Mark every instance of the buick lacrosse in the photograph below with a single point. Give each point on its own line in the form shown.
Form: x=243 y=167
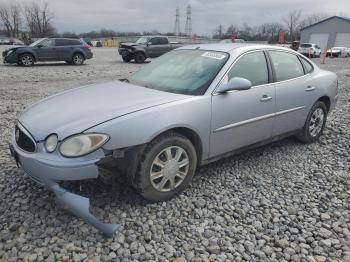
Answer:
x=186 y=108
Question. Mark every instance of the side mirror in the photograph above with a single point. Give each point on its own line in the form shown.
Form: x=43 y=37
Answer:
x=236 y=83
x=39 y=46
x=149 y=43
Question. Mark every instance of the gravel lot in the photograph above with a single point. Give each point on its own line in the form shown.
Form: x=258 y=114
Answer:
x=285 y=201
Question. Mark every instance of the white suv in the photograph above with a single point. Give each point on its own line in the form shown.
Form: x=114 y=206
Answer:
x=308 y=49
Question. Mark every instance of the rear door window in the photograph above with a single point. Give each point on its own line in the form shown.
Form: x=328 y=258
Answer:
x=61 y=42
x=74 y=42
x=286 y=65
x=164 y=41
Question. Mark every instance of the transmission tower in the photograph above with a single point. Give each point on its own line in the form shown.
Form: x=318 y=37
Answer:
x=177 y=22
x=188 y=27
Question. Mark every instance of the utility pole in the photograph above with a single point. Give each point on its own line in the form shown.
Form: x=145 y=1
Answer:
x=188 y=26
x=177 y=23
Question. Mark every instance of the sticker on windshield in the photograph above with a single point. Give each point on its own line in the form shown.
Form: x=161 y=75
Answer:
x=213 y=55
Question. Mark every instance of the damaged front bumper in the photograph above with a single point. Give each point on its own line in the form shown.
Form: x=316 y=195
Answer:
x=46 y=172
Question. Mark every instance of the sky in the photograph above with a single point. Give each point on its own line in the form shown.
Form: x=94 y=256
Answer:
x=146 y=15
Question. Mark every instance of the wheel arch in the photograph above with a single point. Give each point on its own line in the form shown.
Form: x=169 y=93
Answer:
x=78 y=52
x=27 y=52
x=140 y=51
x=325 y=99
x=190 y=134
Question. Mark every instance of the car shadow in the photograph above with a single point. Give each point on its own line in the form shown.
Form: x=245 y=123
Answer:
x=44 y=65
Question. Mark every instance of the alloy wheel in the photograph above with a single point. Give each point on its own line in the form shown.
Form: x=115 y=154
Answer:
x=78 y=59
x=27 y=60
x=316 y=122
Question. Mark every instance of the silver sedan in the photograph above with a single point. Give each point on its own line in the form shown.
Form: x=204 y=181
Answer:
x=187 y=108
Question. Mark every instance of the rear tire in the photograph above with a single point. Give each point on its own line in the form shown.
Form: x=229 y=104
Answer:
x=167 y=167
x=140 y=58
x=314 y=124
x=78 y=59
x=26 y=60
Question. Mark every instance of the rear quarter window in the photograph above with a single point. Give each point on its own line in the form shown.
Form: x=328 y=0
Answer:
x=308 y=67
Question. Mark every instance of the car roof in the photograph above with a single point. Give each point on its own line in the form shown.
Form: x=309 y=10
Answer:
x=154 y=36
x=229 y=47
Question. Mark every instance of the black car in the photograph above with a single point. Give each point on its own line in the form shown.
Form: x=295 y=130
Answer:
x=73 y=51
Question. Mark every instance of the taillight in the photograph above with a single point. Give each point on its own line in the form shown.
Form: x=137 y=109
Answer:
x=87 y=46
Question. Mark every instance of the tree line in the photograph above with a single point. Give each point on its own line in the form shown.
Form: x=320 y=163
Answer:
x=290 y=24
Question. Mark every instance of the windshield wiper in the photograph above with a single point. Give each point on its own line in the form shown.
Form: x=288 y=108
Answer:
x=124 y=80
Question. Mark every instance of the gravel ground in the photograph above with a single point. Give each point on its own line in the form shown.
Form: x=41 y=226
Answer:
x=282 y=202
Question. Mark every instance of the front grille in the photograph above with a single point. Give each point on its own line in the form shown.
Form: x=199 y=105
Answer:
x=24 y=141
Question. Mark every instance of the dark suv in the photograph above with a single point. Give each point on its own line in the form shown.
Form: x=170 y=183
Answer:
x=73 y=51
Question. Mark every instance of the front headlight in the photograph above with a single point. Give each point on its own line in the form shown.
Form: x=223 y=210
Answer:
x=9 y=52
x=83 y=144
x=51 y=143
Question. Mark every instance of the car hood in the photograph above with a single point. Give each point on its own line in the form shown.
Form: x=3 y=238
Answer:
x=129 y=44
x=11 y=49
x=79 y=109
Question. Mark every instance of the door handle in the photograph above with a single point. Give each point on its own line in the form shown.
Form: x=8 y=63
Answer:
x=265 y=98
x=310 y=88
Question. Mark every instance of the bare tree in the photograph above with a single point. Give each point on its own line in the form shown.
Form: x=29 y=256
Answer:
x=312 y=19
x=218 y=32
x=232 y=30
x=270 y=31
x=292 y=22
x=10 y=17
x=38 y=20
x=246 y=32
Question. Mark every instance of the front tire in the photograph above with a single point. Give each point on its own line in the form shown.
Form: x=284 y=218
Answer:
x=140 y=58
x=314 y=124
x=127 y=58
x=166 y=168
x=78 y=59
x=26 y=60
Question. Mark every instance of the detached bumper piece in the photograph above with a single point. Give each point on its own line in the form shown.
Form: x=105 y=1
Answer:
x=76 y=204
x=79 y=206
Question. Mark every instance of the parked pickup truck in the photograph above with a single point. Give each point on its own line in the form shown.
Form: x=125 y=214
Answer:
x=146 y=46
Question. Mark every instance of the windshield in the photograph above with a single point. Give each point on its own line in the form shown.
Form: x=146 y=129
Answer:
x=37 y=42
x=183 y=71
x=306 y=45
x=142 y=40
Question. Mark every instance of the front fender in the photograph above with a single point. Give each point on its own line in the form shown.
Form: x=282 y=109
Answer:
x=26 y=51
x=141 y=127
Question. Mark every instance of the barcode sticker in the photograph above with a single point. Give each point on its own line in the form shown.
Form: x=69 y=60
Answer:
x=213 y=55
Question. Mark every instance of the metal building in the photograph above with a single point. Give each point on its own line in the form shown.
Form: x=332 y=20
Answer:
x=333 y=31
